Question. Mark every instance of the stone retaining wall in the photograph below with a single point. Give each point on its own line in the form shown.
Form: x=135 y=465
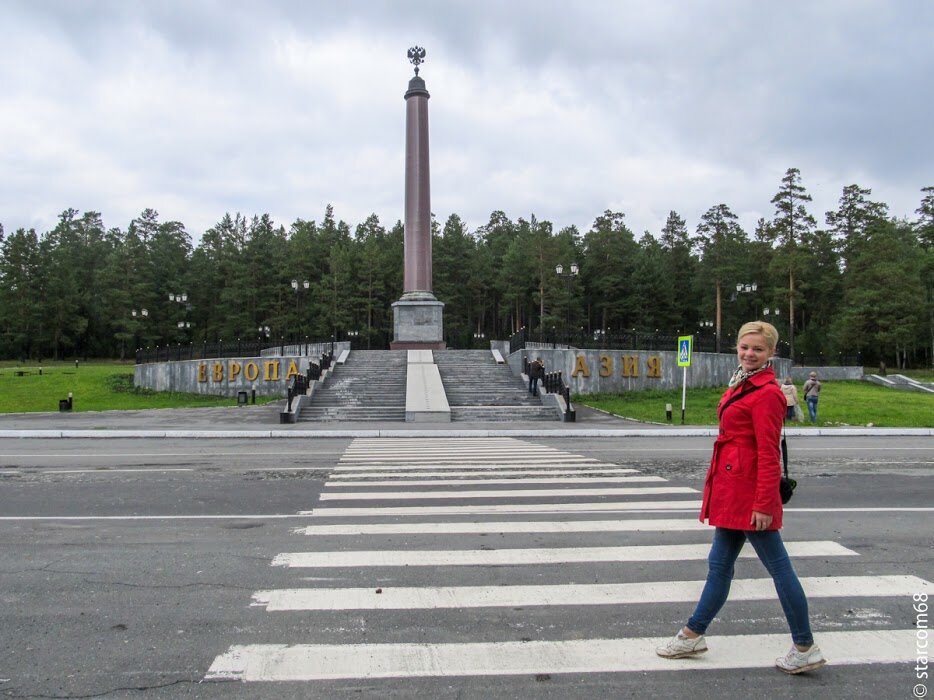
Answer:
x=800 y=374
x=618 y=371
x=222 y=377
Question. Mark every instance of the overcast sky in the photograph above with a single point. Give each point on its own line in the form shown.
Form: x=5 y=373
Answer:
x=562 y=110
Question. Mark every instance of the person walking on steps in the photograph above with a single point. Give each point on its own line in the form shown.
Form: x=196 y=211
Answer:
x=536 y=372
x=741 y=500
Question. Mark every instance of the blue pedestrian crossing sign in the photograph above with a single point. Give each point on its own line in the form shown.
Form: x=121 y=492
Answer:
x=685 y=345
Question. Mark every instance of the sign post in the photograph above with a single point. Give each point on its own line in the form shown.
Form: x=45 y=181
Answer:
x=685 y=347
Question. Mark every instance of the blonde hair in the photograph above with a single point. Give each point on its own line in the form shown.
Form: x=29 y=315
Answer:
x=766 y=330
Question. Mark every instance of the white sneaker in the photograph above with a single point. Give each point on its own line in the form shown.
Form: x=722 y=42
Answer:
x=681 y=646
x=799 y=661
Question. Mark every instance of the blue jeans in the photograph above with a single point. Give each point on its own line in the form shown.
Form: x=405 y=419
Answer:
x=533 y=386
x=812 y=408
x=768 y=545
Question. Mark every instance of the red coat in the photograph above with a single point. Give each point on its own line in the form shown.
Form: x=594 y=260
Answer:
x=745 y=468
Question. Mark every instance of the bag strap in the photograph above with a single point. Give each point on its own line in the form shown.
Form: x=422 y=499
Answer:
x=736 y=397
x=784 y=454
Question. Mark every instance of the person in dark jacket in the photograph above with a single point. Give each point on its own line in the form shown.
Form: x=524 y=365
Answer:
x=742 y=501
x=536 y=372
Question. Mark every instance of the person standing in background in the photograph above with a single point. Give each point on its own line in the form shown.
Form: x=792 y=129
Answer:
x=791 y=398
x=811 y=395
x=536 y=372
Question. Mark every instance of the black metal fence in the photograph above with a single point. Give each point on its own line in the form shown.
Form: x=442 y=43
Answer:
x=553 y=383
x=238 y=348
x=609 y=340
x=655 y=342
x=299 y=384
x=517 y=341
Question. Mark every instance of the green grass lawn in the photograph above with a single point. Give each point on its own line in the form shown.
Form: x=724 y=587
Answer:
x=101 y=386
x=841 y=404
x=96 y=386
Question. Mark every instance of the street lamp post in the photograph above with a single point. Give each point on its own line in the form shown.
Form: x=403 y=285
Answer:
x=776 y=312
x=705 y=324
x=478 y=338
x=567 y=277
x=296 y=286
x=741 y=288
x=745 y=288
x=180 y=298
x=142 y=313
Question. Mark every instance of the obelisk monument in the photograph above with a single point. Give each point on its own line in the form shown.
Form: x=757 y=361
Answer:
x=417 y=316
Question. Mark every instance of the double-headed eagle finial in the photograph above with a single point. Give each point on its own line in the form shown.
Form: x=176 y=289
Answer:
x=416 y=57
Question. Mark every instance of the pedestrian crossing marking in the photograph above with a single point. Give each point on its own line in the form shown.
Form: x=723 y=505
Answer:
x=481 y=509
x=452 y=470
x=309 y=662
x=505 y=526
x=449 y=458
x=529 y=493
x=438 y=597
x=396 y=451
x=514 y=482
x=418 y=468
x=522 y=557
x=381 y=471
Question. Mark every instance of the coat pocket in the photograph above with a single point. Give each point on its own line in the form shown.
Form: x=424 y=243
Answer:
x=735 y=462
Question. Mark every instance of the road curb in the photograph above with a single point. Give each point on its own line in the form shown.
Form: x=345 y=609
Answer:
x=105 y=434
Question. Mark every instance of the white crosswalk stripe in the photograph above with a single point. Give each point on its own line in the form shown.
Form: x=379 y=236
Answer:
x=499 y=468
x=489 y=482
x=389 y=481
x=504 y=526
x=520 y=557
x=306 y=662
x=402 y=598
x=483 y=509
x=523 y=493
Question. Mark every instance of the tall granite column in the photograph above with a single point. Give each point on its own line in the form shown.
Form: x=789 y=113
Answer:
x=417 y=316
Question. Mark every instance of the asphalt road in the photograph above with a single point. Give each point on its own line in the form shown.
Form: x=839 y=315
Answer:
x=128 y=567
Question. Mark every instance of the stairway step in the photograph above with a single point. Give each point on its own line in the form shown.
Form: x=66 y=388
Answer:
x=371 y=385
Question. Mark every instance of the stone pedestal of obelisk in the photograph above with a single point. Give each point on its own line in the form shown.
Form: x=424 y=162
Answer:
x=417 y=316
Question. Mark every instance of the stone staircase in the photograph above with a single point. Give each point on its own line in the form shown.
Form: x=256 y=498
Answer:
x=480 y=390
x=900 y=381
x=369 y=386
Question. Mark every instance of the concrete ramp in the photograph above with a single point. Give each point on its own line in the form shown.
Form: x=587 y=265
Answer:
x=425 y=400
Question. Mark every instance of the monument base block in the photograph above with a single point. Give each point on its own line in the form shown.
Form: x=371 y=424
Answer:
x=417 y=323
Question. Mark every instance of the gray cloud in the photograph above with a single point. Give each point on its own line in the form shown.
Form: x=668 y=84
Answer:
x=201 y=107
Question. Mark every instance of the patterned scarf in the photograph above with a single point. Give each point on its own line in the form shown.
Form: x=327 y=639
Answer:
x=741 y=375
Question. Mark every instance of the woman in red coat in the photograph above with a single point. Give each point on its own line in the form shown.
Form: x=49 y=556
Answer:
x=742 y=501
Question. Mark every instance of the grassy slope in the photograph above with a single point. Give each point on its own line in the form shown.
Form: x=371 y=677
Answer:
x=99 y=386
x=841 y=403
x=96 y=386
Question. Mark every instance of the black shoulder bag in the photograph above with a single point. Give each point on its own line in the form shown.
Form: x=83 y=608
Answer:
x=786 y=485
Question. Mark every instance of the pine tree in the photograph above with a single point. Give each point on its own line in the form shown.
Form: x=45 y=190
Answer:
x=722 y=244
x=791 y=224
x=852 y=218
x=610 y=250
